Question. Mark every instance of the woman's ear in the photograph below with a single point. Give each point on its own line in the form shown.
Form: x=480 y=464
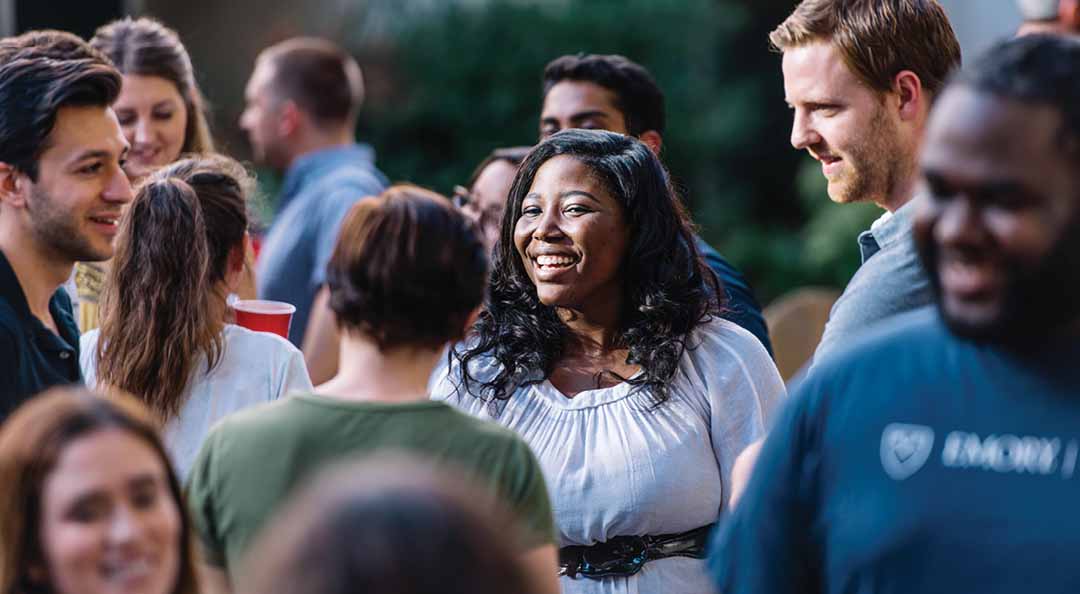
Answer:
x=237 y=263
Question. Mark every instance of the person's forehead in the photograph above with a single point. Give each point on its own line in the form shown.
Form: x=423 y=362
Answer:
x=817 y=71
x=987 y=135
x=569 y=97
x=84 y=128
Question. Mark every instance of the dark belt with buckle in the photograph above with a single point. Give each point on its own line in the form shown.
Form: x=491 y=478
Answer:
x=625 y=555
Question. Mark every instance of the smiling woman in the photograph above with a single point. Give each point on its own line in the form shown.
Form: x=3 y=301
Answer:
x=601 y=346
x=89 y=504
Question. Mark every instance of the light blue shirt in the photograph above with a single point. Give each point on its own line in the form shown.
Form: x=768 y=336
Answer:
x=318 y=191
x=890 y=281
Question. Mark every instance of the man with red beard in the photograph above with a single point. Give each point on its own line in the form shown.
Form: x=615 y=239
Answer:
x=940 y=453
x=859 y=77
x=61 y=195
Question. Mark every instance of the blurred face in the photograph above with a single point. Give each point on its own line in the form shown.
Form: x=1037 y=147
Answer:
x=1000 y=231
x=154 y=119
x=73 y=210
x=261 y=118
x=580 y=104
x=110 y=524
x=843 y=124
x=571 y=237
x=487 y=199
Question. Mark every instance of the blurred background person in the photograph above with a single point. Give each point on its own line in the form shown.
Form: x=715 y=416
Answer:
x=162 y=113
x=160 y=108
x=406 y=278
x=1058 y=17
x=89 y=503
x=62 y=194
x=164 y=336
x=483 y=201
x=601 y=345
x=607 y=92
x=389 y=526
x=301 y=104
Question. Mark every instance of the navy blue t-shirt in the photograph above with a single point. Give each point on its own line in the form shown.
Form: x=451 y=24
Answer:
x=916 y=462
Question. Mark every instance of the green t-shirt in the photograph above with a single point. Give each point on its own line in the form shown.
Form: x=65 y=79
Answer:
x=252 y=460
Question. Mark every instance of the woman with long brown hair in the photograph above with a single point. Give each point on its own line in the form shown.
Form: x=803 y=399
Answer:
x=88 y=501
x=164 y=336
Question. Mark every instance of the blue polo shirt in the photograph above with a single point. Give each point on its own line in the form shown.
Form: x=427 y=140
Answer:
x=318 y=191
x=33 y=357
x=915 y=461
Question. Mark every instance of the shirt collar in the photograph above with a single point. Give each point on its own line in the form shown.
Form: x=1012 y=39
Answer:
x=894 y=226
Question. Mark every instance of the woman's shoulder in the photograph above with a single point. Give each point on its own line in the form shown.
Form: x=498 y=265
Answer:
x=253 y=343
x=717 y=334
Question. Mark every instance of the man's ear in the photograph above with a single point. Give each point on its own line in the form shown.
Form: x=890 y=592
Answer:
x=911 y=94
x=290 y=119
x=13 y=186
x=653 y=140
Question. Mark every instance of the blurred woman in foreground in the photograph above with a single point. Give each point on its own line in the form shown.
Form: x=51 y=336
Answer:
x=88 y=502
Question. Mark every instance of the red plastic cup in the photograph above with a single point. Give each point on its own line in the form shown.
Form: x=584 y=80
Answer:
x=264 y=316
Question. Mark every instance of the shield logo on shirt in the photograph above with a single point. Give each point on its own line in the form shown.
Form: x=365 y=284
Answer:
x=905 y=448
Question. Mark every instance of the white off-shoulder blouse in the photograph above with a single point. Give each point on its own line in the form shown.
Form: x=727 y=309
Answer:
x=616 y=465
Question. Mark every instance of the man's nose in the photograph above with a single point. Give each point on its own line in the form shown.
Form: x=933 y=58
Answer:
x=803 y=134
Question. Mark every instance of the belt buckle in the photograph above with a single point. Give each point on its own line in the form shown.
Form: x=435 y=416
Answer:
x=626 y=557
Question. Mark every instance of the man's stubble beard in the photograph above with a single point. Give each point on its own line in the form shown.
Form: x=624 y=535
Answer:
x=1037 y=301
x=876 y=165
x=57 y=232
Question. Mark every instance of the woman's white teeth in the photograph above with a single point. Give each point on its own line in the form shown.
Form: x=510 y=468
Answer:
x=131 y=569
x=554 y=260
x=104 y=221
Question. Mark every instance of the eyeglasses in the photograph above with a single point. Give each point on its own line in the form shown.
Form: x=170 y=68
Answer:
x=461 y=196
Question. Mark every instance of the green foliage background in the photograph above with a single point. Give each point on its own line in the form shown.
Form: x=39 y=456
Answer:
x=447 y=88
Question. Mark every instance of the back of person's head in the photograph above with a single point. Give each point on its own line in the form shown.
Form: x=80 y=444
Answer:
x=878 y=39
x=41 y=72
x=637 y=95
x=408 y=270
x=164 y=301
x=1034 y=69
x=145 y=47
x=32 y=443
x=322 y=79
x=389 y=526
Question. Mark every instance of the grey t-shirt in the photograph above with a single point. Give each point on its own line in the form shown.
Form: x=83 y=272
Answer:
x=890 y=281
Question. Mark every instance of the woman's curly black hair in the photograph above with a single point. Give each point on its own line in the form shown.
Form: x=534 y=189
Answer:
x=667 y=289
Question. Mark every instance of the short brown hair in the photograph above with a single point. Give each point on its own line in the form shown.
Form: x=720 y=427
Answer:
x=878 y=38
x=31 y=443
x=408 y=269
x=319 y=76
x=40 y=72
